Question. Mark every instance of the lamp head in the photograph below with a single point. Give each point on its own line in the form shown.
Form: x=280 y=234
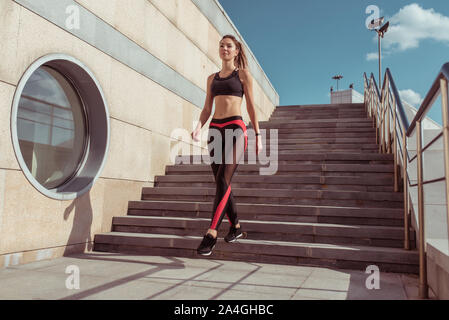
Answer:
x=384 y=29
x=375 y=23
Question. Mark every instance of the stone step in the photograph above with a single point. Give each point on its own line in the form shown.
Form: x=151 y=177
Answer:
x=206 y=160
x=317 y=115
x=308 y=158
x=268 y=230
x=290 y=179
x=297 y=253
x=266 y=171
x=342 y=109
x=347 y=121
x=279 y=193
x=284 y=196
x=318 y=107
x=318 y=140
x=269 y=185
x=324 y=116
x=280 y=182
x=273 y=212
x=291 y=168
x=320 y=130
x=314 y=135
x=322 y=147
x=293 y=179
x=327 y=123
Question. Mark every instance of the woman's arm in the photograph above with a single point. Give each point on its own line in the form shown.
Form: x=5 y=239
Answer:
x=207 y=109
x=205 y=114
x=250 y=107
x=248 y=88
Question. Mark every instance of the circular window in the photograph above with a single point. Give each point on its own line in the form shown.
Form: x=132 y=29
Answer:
x=51 y=128
x=56 y=105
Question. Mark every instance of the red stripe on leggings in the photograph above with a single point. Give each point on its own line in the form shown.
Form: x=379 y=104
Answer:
x=239 y=122
x=220 y=208
x=221 y=125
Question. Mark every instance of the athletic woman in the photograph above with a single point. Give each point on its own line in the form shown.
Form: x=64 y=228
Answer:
x=227 y=137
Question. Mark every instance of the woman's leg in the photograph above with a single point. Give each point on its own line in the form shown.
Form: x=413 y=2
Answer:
x=233 y=154
x=230 y=210
x=224 y=172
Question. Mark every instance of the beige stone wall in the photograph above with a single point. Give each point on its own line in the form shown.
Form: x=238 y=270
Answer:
x=143 y=115
x=169 y=24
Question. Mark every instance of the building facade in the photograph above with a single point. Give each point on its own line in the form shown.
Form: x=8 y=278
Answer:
x=91 y=92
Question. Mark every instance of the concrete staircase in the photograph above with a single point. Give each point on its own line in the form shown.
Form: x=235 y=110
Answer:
x=331 y=202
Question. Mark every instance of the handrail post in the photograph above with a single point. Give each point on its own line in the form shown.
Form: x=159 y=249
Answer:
x=379 y=113
x=365 y=100
x=423 y=286
x=386 y=118
x=388 y=109
x=374 y=113
x=382 y=112
x=369 y=101
x=395 y=151
x=445 y=112
x=372 y=104
x=406 y=204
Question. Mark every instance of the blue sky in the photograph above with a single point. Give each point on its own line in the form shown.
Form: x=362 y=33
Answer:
x=301 y=44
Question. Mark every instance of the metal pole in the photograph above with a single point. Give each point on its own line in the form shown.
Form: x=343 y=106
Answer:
x=423 y=287
x=380 y=66
x=405 y=177
x=388 y=136
x=372 y=102
x=374 y=113
x=382 y=130
x=388 y=111
x=445 y=106
x=365 y=98
x=395 y=151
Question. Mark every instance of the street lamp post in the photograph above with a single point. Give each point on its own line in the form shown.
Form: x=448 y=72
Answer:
x=338 y=78
x=376 y=23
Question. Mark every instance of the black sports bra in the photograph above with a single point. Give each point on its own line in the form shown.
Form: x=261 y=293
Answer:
x=229 y=86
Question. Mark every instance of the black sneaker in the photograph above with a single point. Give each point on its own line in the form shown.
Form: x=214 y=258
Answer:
x=207 y=245
x=234 y=234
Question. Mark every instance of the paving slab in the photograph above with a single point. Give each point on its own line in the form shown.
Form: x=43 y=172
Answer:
x=112 y=276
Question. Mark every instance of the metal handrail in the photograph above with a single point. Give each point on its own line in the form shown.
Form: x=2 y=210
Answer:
x=402 y=114
x=386 y=105
x=375 y=85
x=444 y=73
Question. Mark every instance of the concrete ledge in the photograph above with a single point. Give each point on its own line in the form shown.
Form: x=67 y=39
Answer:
x=35 y=255
x=438 y=267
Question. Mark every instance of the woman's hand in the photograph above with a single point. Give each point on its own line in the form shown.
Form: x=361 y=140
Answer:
x=259 y=146
x=196 y=134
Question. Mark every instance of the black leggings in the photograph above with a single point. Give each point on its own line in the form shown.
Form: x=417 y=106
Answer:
x=227 y=142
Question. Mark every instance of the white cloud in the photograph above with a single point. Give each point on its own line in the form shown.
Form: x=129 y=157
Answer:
x=372 y=56
x=412 y=24
x=411 y=97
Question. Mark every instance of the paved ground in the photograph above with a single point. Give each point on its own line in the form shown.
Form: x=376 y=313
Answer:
x=129 y=277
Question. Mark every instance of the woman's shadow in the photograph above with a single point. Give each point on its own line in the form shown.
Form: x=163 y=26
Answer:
x=80 y=237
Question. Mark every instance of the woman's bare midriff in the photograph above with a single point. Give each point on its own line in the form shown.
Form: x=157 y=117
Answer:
x=227 y=106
